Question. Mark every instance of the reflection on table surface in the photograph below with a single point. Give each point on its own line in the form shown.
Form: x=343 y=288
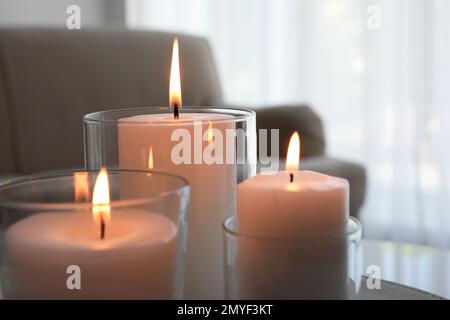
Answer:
x=423 y=267
x=417 y=266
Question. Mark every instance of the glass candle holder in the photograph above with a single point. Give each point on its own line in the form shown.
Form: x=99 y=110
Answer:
x=304 y=268
x=56 y=244
x=213 y=148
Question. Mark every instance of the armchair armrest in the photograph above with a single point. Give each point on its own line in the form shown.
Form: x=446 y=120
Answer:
x=289 y=119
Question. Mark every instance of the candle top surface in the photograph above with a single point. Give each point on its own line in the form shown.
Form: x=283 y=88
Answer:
x=168 y=118
x=128 y=229
x=302 y=181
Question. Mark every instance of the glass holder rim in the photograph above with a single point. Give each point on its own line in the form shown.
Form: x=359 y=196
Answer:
x=244 y=113
x=354 y=228
x=35 y=178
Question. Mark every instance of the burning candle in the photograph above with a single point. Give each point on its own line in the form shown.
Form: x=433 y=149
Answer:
x=213 y=185
x=296 y=224
x=122 y=253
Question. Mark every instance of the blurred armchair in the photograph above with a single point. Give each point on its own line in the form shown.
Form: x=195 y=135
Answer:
x=50 y=78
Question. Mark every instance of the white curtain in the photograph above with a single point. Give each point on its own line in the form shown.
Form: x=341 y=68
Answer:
x=383 y=89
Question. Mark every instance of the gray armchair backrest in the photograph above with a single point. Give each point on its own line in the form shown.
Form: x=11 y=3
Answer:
x=292 y=118
x=50 y=78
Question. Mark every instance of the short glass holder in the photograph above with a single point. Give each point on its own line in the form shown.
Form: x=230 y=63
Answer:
x=292 y=269
x=55 y=244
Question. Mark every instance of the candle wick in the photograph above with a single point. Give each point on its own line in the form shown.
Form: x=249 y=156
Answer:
x=176 y=114
x=102 y=228
x=291 y=177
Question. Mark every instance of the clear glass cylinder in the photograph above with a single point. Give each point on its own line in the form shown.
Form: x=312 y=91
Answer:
x=213 y=148
x=304 y=268
x=55 y=247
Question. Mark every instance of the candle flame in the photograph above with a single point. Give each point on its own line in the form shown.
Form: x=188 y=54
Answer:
x=101 y=211
x=150 y=164
x=150 y=158
x=81 y=186
x=293 y=154
x=210 y=132
x=175 y=83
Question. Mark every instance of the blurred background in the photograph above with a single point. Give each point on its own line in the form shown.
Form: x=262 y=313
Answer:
x=377 y=72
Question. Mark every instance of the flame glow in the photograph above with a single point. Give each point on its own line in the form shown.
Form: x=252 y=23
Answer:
x=101 y=211
x=293 y=154
x=81 y=186
x=175 y=83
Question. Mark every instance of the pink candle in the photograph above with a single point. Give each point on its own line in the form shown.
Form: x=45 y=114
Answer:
x=302 y=217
